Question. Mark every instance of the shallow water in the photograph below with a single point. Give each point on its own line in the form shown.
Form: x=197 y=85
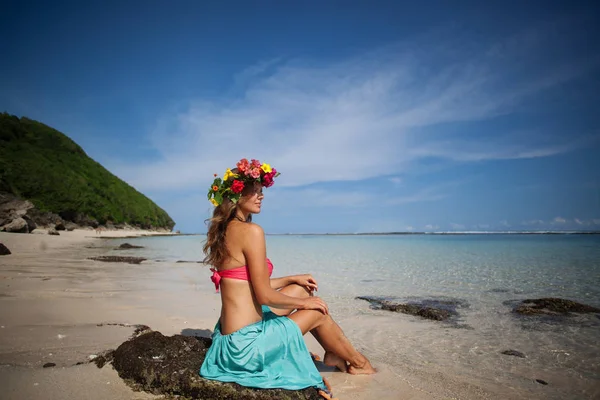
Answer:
x=484 y=273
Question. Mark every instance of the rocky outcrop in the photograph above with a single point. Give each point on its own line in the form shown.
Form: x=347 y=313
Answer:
x=13 y=214
x=123 y=259
x=170 y=366
x=18 y=215
x=17 y=225
x=552 y=306
x=4 y=251
x=437 y=310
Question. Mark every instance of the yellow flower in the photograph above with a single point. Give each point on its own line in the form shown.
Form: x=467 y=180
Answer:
x=266 y=168
x=229 y=174
x=214 y=202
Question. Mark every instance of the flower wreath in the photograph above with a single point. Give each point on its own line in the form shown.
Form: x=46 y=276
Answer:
x=233 y=183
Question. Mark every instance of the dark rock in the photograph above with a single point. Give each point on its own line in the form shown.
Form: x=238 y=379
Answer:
x=4 y=251
x=186 y=261
x=44 y=219
x=170 y=366
x=53 y=231
x=514 y=353
x=48 y=365
x=129 y=246
x=60 y=226
x=31 y=225
x=102 y=359
x=541 y=381
x=552 y=306
x=437 y=310
x=123 y=259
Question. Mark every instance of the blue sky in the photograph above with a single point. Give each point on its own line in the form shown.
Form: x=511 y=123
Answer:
x=381 y=116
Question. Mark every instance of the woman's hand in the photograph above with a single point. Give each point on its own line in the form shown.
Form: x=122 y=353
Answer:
x=315 y=303
x=306 y=281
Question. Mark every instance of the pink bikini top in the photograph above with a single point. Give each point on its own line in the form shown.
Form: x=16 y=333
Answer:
x=234 y=273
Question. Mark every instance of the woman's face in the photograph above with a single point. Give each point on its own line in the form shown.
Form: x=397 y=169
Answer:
x=251 y=199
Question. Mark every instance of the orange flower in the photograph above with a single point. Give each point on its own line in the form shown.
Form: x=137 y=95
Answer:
x=215 y=188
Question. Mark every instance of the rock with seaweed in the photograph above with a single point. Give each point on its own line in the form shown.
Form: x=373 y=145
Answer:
x=170 y=365
x=552 y=306
x=123 y=259
x=437 y=310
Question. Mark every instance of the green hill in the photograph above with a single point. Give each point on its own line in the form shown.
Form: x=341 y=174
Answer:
x=41 y=164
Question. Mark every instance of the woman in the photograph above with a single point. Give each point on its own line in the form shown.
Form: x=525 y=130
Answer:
x=258 y=341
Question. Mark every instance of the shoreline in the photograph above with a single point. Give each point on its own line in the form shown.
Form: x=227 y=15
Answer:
x=59 y=307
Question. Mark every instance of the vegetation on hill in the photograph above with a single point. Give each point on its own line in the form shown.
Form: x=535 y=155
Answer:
x=41 y=164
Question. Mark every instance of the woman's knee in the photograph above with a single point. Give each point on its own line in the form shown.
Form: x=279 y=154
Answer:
x=296 y=290
x=308 y=320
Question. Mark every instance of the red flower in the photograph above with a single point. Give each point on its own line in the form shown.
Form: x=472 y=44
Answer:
x=237 y=186
x=267 y=180
x=242 y=165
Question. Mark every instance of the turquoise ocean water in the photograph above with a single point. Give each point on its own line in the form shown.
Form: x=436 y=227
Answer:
x=483 y=274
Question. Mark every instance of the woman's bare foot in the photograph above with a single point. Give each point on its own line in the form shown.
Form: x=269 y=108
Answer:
x=364 y=368
x=332 y=360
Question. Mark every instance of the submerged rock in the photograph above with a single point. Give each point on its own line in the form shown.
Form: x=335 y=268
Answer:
x=129 y=246
x=123 y=259
x=552 y=306
x=4 y=251
x=513 y=353
x=170 y=366
x=437 y=310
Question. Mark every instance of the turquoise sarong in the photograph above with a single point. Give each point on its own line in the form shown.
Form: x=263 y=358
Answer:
x=269 y=354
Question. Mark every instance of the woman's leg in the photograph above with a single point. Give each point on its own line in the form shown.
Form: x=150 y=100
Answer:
x=333 y=340
x=338 y=348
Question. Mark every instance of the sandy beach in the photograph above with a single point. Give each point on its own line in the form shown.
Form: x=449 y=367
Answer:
x=57 y=306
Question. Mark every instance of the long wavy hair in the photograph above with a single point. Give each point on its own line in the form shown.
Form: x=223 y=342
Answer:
x=214 y=248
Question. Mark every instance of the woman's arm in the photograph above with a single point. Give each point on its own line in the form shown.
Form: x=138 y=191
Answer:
x=305 y=280
x=278 y=283
x=255 y=252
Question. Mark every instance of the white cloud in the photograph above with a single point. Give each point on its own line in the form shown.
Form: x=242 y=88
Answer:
x=533 y=222
x=430 y=227
x=457 y=226
x=356 y=119
x=559 y=220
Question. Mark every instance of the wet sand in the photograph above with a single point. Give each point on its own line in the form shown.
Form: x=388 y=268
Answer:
x=57 y=306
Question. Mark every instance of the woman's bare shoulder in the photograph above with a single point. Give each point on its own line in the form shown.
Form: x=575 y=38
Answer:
x=249 y=231
x=252 y=231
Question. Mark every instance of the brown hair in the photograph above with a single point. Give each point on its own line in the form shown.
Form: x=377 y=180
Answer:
x=215 y=249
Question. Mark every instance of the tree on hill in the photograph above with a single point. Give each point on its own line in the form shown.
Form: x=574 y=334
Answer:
x=41 y=164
